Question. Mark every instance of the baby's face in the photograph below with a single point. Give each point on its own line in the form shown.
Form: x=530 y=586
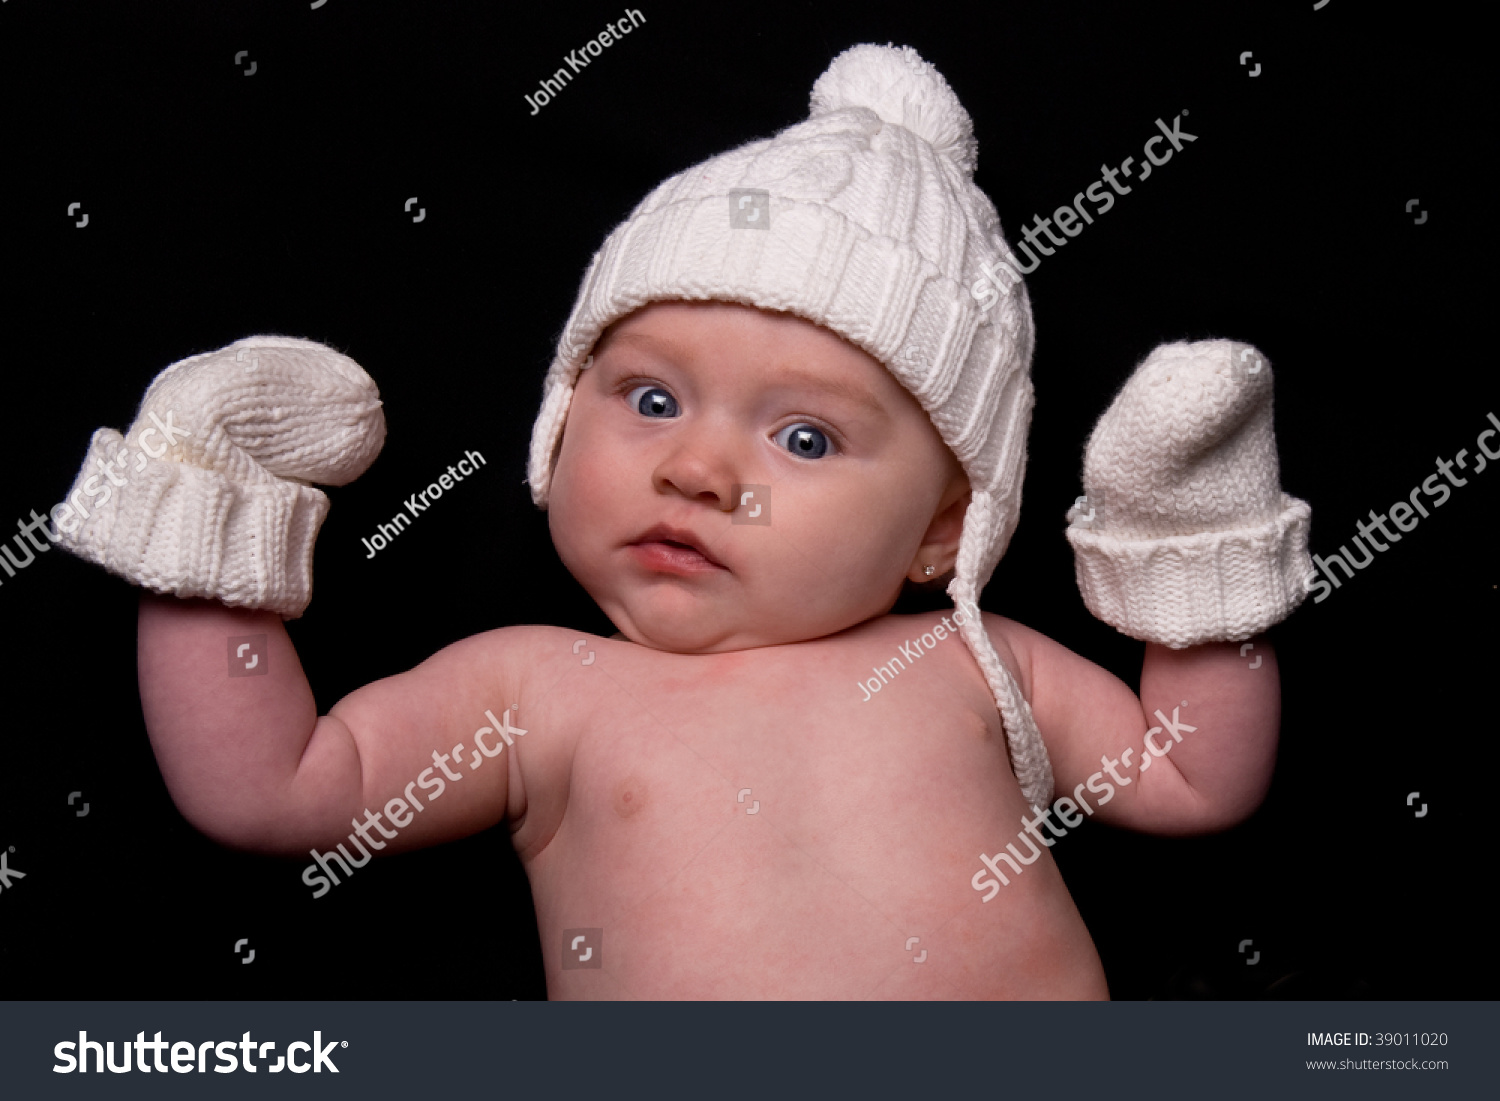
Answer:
x=686 y=403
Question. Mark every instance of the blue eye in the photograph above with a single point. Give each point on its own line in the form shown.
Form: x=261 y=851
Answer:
x=652 y=401
x=804 y=441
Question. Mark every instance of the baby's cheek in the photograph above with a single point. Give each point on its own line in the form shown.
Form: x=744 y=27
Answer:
x=585 y=513
x=832 y=570
x=582 y=481
x=873 y=540
x=563 y=507
x=570 y=530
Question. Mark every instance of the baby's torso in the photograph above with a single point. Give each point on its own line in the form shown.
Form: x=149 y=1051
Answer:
x=750 y=825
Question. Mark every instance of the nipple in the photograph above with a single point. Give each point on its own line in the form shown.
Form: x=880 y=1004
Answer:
x=630 y=796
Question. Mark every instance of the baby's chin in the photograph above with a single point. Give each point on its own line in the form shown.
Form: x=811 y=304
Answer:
x=684 y=638
x=681 y=634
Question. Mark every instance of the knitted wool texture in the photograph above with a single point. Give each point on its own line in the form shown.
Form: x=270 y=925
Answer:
x=1184 y=535
x=218 y=503
x=874 y=229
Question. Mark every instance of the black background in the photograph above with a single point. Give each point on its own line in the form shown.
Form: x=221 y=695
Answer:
x=222 y=205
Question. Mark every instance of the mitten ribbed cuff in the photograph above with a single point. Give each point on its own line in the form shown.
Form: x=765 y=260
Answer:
x=188 y=532
x=1180 y=591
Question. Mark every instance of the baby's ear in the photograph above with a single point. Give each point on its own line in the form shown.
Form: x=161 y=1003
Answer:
x=917 y=580
x=940 y=542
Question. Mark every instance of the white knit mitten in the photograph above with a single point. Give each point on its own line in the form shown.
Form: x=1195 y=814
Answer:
x=1184 y=535
x=207 y=494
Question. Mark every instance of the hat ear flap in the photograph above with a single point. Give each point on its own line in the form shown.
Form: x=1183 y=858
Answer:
x=546 y=438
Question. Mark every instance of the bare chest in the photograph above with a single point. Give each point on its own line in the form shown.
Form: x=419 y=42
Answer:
x=766 y=824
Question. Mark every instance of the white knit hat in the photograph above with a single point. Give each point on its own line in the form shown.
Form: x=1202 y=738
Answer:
x=864 y=219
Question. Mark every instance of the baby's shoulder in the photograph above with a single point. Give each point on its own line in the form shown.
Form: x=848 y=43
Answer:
x=1014 y=642
x=508 y=661
x=525 y=645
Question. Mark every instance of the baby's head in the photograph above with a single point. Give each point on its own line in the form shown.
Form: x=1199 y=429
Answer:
x=824 y=288
x=686 y=408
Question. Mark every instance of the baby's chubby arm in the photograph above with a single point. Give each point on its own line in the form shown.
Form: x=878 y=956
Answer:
x=249 y=762
x=210 y=499
x=1185 y=540
x=1207 y=765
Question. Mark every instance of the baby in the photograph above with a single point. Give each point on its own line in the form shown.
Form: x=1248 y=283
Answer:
x=784 y=393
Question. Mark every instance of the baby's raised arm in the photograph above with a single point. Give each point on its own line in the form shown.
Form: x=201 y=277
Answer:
x=1193 y=753
x=209 y=497
x=411 y=760
x=1185 y=540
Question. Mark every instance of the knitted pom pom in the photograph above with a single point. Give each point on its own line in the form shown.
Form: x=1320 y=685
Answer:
x=902 y=89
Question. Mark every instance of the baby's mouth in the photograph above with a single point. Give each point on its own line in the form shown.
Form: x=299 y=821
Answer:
x=669 y=550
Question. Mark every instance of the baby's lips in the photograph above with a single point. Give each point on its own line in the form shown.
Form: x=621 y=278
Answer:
x=663 y=533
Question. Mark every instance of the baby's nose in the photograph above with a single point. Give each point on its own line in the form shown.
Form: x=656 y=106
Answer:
x=700 y=470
